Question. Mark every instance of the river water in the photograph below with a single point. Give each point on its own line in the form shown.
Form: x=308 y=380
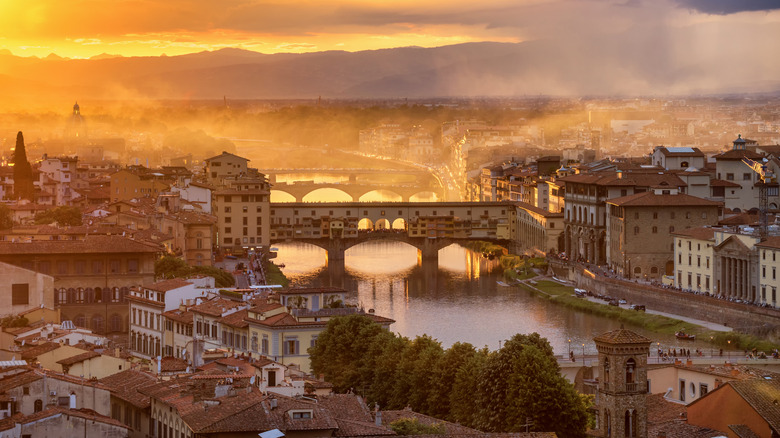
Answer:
x=459 y=301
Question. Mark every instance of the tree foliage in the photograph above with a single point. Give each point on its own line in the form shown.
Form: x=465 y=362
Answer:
x=413 y=426
x=174 y=267
x=516 y=388
x=6 y=217
x=63 y=215
x=23 y=176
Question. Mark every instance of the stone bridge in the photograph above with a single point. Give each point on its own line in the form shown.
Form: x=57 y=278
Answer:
x=300 y=189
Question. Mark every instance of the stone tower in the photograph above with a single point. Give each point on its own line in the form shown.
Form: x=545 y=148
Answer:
x=621 y=401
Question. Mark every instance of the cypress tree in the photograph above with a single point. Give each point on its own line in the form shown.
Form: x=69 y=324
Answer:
x=23 y=178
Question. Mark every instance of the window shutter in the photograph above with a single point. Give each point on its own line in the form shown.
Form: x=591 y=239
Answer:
x=297 y=348
x=286 y=349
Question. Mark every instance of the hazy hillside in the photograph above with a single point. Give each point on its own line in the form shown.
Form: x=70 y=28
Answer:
x=475 y=69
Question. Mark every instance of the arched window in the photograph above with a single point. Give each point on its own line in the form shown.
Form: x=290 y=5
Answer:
x=630 y=370
x=38 y=407
x=71 y=295
x=62 y=296
x=608 y=423
x=637 y=270
x=684 y=165
x=90 y=295
x=654 y=270
x=97 y=323
x=606 y=370
x=630 y=425
x=98 y=295
x=80 y=296
x=115 y=323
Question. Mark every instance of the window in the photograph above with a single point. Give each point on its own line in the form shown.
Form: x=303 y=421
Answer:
x=245 y=220
x=655 y=215
x=62 y=267
x=20 y=294
x=259 y=209
x=227 y=210
x=113 y=266
x=80 y=266
x=671 y=228
x=228 y=230
x=671 y=215
x=698 y=261
x=132 y=266
x=682 y=389
x=655 y=230
x=703 y=389
x=704 y=215
x=746 y=177
x=97 y=266
x=264 y=345
x=636 y=230
x=228 y=220
x=259 y=220
x=301 y=415
x=729 y=177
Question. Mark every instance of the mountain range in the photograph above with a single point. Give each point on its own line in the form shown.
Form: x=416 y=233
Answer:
x=463 y=70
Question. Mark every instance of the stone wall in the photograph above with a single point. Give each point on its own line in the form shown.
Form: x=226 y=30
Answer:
x=748 y=319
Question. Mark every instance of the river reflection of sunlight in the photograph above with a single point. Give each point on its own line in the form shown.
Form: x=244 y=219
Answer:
x=381 y=258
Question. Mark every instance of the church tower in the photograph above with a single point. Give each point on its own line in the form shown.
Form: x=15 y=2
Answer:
x=621 y=402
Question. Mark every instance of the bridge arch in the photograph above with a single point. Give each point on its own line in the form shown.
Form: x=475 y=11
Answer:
x=399 y=224
x=282 y=196
x=330 y=192
x=381 y=195
x=424 y=196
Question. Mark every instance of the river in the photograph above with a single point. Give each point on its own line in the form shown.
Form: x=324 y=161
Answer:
x=459 y=301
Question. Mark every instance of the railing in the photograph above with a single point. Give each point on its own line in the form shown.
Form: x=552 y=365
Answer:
x=632 y=387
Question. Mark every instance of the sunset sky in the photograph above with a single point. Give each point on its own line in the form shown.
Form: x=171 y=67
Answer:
x=84 y=28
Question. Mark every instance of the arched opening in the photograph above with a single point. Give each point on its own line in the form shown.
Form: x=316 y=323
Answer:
x=365 y=224
x=608 y=423
x=669 y=267
x=381 y=196
x=630 y=370
x=637 y=270
x=98 y=295
x=80 y=321
x=654 y=270
x=115 y=322
x=38 y=406
x=280 y=196
x=630 y=424
x=684 y=165
x=97 y=323
x=426 y=196
x=382 y=224
x=327 y=195
x=399 y=224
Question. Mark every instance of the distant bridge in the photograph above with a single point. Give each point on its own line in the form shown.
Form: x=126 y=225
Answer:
x=428 y=226
x=355 y=191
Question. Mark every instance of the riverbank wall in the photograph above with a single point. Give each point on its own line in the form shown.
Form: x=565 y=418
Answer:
x=759 y=321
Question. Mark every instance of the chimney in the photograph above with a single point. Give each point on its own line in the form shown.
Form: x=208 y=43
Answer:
x=273 y=403
x=377 y=415
x=718 y=383
x=734 y=372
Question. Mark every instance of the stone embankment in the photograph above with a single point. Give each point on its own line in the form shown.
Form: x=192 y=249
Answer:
x=760 y=321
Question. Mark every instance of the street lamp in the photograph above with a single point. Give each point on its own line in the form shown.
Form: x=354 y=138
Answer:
x=711 y=353
x=583 y=354
x=658 y=350
x=729 y=341
x=569 y=348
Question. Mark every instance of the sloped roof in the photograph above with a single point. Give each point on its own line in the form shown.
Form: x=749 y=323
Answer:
x=700 y=233
x=90 y=245
x=763 y=395
x=78 y=358
x=125 y=385
x=622 y=336
x=166 y=285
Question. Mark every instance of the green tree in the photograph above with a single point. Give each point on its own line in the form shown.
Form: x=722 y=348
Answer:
x=413 y=426
x=413 y=377
x=465 y=387
x=23 y=177
x=173 y=267
x=523 y=385
x=345 y=349
x=63 y=215
x=6 y=217
x=443 y=376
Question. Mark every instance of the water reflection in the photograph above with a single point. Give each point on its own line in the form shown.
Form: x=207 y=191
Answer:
x=459 y=301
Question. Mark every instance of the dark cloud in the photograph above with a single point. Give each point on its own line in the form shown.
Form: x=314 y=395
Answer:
x=725 y=7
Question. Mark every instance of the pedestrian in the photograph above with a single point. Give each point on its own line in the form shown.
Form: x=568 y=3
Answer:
x=721 y=352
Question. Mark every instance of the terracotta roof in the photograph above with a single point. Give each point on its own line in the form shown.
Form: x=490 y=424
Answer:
x=16 y=380
x=78 y=358
x=622 y=336
x=649 y=199
x=355 y=428
x=700 y=233
x=178 y=315
x=235 y=319
x=231 y=192
x=633 y=178
x=669 y=417
x=762 y=395
x=125 y=385
x=677 y=152
x=225 y=154
x=216 y=306
x=88 y=414
x=743 y=431
x=90 y=245
x=537 y=210
x=737 y=154
x=169 y=364
x=746 y=218
x=771 y=242
x=166 y=285
x=33 y=352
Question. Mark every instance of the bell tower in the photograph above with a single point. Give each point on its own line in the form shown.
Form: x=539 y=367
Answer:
x=621 y=403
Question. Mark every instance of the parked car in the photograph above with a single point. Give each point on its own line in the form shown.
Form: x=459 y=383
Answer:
x=614 y=303
x=637 y=307
x=623 y=302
